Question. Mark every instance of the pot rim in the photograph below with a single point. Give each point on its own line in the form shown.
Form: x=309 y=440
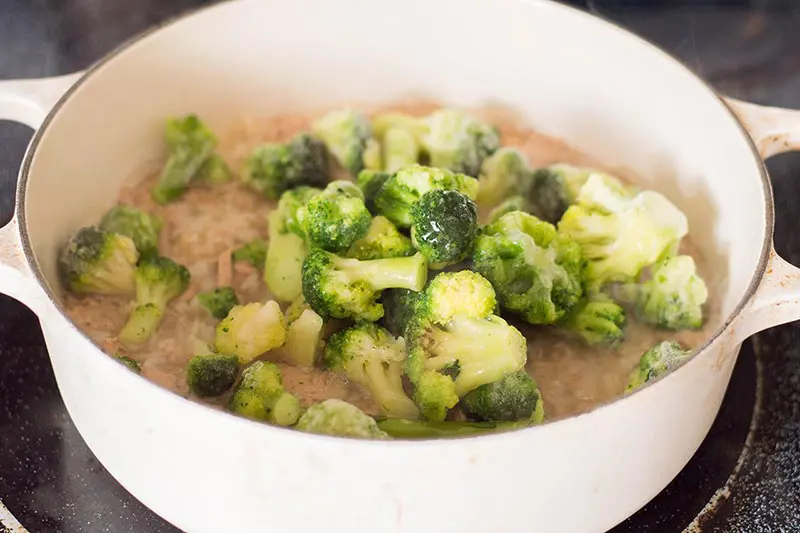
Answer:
x=755 y=281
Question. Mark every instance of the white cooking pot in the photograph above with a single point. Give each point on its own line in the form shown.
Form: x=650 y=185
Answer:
x=569 y=75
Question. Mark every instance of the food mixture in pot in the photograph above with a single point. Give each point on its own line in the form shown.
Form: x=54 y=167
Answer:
x=407 y=272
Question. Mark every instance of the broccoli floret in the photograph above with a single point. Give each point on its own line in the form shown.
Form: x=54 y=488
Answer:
x=290 y=208
x=345 y=133
x=260 y=395
x=456 y=342
x=515 y=396
x=141 y=227
x=504 y=174
x=535 y=271
x=444 y=226
x=509 y=205
x=99 y=262
x=370 y=182
x=215 y=170
x=159 y=280
x=400 y=149
x=399 y=307
x=272 y=169
x=621 y=232
x=656 y=362
x=403 y=189
x=303 y=336
x=373 y=158
x=673 y=297
x=381 y=241
x=338 y=287
x=251 y=330
x=211 y=375
x=284 y=261
x=336 y=218
x=339 y=418
x=368 y=355
x=390 y=120
x=190 y=143
x=132 y=364
x=219 y=302
x=254 y=252
x=403 y=428
x=458 y=142
x=597 y=319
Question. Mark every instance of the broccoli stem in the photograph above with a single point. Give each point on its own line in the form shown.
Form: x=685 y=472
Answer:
x=286 y=410
x=387 y=388
x=404 y=428
x=143 y=322
x=285 y=255
x=392 y=273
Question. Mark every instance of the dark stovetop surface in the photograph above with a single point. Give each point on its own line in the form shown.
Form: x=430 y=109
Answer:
x=748 y=467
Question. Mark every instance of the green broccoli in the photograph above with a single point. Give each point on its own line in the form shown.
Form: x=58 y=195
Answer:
x=457 y=142
x=251 y=330
x=303 y=335
x=403 y=189
x=403 y=428
x=211 y=375
x=219 y=302
x=336 y=218
x=190 y=143
x=215 y=171
x=141 y=227
x=400 y=149
x=444 y=226
x=382 y=240
x=159 y=280
x=456 y=343
x=597 y=319
x=287 y=247
x=620 y=231
x=341 y=419
x=503 y=174
x=373 y=158
x=99 y=262
x=656 y=362
x=345 y=133
x=535 y=271
x=391 y=120
x=272 y=169
x=260 y=395
x=254 y=252
x=368 y=355
x=509 y=205
x=513 y=397
x=337 y=287
x=551 y=190
x=129 y=362
x=370 y=182
x=399 y=307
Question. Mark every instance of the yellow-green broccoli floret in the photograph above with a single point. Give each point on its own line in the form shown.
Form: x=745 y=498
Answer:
x=444 y=227
x=505 y=173
x=215 y=171
x=346 y=133
x=141 y=227
x=341 y=419
x=251 y=330
x=597 y=319
x=272 y=169
x=99 y=262
x=219 y=302
x=656 y=362
x=260 y=395
x=211 y=375
x=382 y=240
x=458 y=142
x=515 y=396
x=509 y=205
x=336 y=218
x=254 y=252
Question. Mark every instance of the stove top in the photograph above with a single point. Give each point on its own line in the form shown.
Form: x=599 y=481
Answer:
x=744 y=478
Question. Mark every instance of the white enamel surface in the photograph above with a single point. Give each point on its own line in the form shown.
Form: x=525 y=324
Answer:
x=606 y=92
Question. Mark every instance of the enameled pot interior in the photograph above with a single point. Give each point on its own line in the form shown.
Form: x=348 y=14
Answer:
x=561 y=71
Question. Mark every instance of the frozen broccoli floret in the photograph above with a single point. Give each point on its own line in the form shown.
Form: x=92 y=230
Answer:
x=159 y=280
x=338 y=287
x=251 y=330
x=509 y=205
x=504 y=174
x=621 y=232
x=444 y=226
x=339 y=418
x=254 y=252
x=370 y=183
x=211 y=375
x=272 y=169
x=513 y=397
x=535 y=271
x=303 y=336
x=260 y=395
x=597 y=319
x=99 y=262
x=382 y=240
x=400 y=149
x=346 y=133
x=336 y=218
x=215 y=170
x=456 y=343
x=141 y=227
x=458 y=142
x=656 y=362
x=370 y=356
x=673 y=297
x=190 y=143
x=129 y=362
x=403 y=189
x=219 y=302
x=399 y=308
x=551 y=190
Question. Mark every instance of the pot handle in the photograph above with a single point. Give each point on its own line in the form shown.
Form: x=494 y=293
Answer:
x=28 y=102
x=777 y=300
